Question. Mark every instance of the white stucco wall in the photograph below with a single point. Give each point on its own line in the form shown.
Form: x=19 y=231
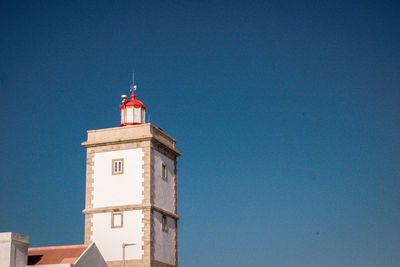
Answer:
x=13 y=249
x=164 y=242
x=164 y=190
x=109 y=240
x=5 y=253
x=121 y=189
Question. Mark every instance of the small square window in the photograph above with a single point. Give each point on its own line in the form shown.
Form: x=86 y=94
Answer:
x=117 y=166
x=164 y=223
x=164 y=171
x=117 y=220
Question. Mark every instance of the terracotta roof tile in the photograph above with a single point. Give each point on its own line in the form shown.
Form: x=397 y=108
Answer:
x=55 y=255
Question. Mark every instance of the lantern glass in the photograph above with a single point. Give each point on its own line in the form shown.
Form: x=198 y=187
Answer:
x=129 y=114
x=122 y=115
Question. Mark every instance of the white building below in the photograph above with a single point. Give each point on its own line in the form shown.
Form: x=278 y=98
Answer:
x=15 y=252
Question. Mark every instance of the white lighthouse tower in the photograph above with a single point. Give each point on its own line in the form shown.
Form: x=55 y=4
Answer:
x=131 y=191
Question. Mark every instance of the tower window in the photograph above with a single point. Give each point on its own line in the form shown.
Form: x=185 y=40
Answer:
x=164 y=171
x=117 y=166
x=117 y=220
x=164 y=223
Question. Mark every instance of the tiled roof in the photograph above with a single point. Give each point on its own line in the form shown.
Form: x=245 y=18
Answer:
x=55 y=255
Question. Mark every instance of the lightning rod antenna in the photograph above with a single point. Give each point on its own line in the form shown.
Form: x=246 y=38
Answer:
x=133 y=86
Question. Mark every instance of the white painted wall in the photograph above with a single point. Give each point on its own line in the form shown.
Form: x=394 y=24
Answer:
x=5 y=253
x=164 y=242
x=121 y=189
x=109 y=240
x=164 y=190
x=13 y=249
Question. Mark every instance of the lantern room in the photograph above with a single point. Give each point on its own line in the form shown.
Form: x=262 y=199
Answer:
x=132 y=111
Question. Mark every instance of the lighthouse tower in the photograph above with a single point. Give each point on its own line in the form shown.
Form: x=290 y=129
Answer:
x=131 y=191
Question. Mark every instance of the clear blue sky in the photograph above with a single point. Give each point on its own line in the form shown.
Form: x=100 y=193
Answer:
x=286 y=113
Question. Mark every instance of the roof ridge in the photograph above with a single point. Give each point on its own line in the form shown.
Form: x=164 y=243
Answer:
x=60 y=247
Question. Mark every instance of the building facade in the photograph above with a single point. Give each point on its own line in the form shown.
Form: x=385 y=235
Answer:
x=131 y=191
x=15 y=252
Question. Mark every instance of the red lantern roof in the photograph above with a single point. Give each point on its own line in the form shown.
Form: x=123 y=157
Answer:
x=133 y=102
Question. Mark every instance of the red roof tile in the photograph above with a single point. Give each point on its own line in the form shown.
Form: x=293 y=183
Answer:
x=55 y=255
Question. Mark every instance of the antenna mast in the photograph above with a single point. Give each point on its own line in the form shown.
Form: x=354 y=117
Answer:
x=133 y=86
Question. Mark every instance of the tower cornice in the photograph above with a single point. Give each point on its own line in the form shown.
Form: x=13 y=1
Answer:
x=128 y=134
